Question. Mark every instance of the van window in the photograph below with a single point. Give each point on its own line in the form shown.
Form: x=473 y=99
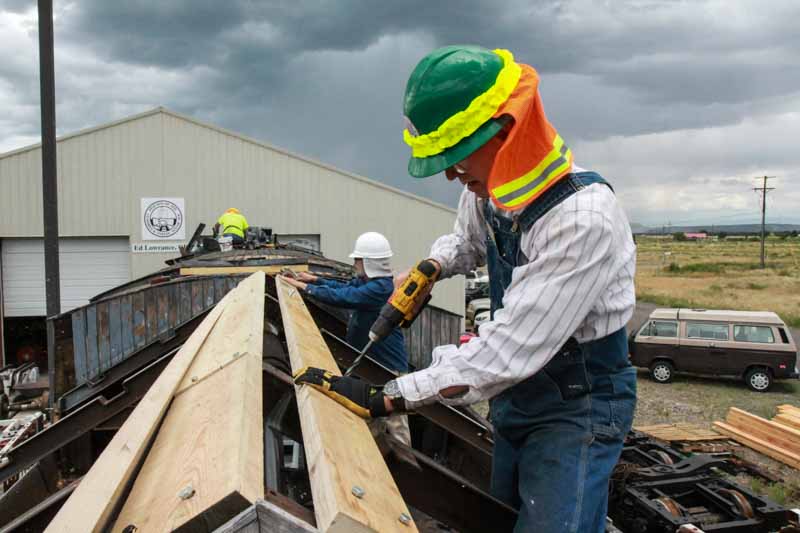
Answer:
x=704 y=330
x=661 y=328
x=753 y=334
x=784 y=337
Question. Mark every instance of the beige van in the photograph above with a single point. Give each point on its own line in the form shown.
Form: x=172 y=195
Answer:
x=755 y=346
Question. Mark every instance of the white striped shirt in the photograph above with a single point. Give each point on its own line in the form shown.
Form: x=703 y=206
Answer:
x=578 y=281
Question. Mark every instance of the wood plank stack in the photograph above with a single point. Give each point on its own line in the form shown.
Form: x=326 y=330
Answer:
x=788 y=415
x=680 y=432
x=776 y=438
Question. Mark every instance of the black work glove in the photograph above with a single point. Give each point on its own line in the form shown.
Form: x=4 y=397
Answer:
x=360 y=397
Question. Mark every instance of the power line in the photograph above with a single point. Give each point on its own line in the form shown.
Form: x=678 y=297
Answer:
x=763 y=190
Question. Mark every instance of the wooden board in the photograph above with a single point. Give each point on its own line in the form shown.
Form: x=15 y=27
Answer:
x=340 y=450
x=215 y=271
x=680 y=432
x=90 y=506
x=777 y=434
x=759 y=445
x=211 y=441
x=786 y=420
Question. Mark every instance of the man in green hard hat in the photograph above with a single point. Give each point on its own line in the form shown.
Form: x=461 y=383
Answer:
x=553 y=358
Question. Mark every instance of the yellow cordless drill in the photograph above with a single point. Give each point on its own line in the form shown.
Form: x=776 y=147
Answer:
x=403 y=306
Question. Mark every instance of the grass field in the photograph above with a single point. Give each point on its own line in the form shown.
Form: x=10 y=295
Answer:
x=722 y=274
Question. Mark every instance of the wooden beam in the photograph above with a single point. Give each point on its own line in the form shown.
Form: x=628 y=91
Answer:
x=680 y=432
x=216 y=271
x=340 y=451
x=760 y=445
x=89 y=508
x=207 y=462
x=787 y=420
x=777 y=434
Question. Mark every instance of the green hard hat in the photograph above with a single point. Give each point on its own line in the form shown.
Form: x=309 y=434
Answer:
x=441 y=85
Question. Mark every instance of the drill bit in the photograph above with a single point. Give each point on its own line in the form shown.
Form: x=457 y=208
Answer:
x=359 y=358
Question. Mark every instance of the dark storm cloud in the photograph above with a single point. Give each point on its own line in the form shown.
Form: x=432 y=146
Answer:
x=325 y=78
x=660 y=52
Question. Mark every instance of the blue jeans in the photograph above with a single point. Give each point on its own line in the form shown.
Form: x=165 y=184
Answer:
x=555 y=450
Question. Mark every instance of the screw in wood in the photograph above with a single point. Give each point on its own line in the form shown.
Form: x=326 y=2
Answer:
x=404 y=519
x=358 y=492
x=186 y=492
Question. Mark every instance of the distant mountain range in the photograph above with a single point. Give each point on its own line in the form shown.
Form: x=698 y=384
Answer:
x=730 y=229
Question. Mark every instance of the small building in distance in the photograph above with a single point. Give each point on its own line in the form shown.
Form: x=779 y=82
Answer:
x=699 y=236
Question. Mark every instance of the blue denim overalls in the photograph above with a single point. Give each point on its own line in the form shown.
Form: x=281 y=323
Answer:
x=559 y=433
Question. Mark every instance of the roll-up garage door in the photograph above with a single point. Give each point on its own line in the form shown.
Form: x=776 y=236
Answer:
x=88 y=267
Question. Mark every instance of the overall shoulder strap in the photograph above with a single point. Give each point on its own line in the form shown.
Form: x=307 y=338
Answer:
x=559 y=192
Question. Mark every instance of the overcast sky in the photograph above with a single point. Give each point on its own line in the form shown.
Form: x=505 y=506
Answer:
x=680 y=104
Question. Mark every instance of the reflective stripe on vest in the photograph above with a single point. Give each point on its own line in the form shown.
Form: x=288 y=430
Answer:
x=553 y=166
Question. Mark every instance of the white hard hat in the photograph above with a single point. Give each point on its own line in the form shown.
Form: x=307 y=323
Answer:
x=371 y=245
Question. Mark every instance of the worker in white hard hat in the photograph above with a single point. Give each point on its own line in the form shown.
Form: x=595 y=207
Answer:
x=365 y=295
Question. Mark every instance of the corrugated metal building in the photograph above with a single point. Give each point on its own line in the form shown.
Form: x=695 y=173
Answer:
x=106 y=171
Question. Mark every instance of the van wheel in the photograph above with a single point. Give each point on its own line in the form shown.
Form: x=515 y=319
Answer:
x=758 y=379
x=662 y=371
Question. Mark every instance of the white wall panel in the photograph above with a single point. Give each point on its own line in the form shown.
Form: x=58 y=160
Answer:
x=88 y=267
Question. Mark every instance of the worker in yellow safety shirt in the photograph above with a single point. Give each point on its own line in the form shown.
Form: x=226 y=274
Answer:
x=233 y=225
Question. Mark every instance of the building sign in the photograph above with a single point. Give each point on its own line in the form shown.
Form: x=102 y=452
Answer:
x=149 y=248
x=163 y=219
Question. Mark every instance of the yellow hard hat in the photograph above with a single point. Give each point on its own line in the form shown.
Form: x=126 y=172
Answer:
x=232 y=210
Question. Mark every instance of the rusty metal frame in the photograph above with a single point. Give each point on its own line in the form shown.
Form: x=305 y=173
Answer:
x=83 y=419
x=113 y=376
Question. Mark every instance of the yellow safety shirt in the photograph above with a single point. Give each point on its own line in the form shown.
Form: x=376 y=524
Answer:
x=233 y=223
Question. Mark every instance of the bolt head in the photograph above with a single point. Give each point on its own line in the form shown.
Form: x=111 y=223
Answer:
x=357 y=491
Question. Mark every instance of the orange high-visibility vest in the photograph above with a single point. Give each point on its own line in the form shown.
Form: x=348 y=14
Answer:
x=534 y=155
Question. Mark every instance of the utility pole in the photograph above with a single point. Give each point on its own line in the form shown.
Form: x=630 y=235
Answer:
x=49 y=180
x=763 y=190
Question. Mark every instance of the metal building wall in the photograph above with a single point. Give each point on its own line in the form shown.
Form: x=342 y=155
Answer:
x=105 y=171
x=97 y=173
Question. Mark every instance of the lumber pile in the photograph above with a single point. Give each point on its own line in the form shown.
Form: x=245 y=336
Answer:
x=788 y=415
x=680 y=432
x=776 y=438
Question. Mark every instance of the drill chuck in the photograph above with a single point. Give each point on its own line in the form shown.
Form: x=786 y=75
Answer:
x=388 y=319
